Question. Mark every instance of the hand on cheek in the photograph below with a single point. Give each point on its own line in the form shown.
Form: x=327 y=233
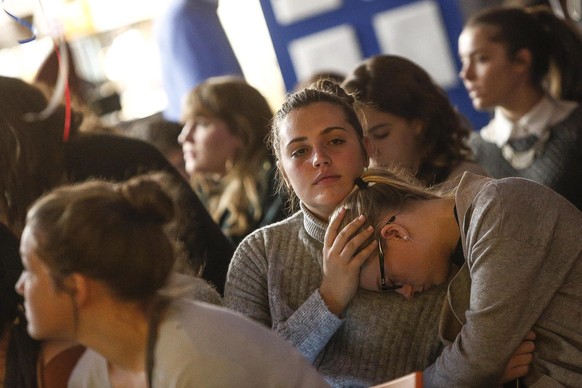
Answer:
x=341 y=263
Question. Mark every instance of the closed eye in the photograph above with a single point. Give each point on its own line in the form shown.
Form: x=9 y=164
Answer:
x=379 y=135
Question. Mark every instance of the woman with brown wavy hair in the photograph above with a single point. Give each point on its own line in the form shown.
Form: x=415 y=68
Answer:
x=410 y=121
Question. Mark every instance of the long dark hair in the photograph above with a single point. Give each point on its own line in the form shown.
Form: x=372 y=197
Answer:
x=32 y=157
x=398 y=86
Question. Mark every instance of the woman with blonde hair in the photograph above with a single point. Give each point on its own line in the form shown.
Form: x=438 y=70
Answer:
x=223 y=140
x=516 y=265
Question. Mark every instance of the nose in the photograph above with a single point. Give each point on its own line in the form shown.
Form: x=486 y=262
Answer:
x=187 y=132
x=406 y=291
x=19 y=286
x=466 y=72
x=320 y=158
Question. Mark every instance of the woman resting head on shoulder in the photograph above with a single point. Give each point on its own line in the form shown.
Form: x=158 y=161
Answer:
x=98 y=269
x=505 y=248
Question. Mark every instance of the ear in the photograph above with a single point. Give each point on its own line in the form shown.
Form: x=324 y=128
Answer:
x=78 y=287
x=395 y=231
x=523 y=59
x=417 y=127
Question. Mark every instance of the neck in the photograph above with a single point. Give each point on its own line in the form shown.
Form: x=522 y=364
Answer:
x=521 y=102
x=118 y=332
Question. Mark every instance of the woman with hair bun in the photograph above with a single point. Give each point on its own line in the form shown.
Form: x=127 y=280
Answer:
x=98 y=270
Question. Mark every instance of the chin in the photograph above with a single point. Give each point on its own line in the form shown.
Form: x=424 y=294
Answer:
x=34 y=333
x=481 y=105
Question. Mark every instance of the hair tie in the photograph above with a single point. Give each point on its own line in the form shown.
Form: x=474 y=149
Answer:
x=361 y=183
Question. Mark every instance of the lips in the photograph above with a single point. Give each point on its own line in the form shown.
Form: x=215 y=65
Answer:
x=325 y=178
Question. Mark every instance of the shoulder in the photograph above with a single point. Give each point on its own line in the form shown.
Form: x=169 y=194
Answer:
x=281 y=230
x=573 y=122
x=193 y=288
x=497 y=207
x=466 y=165
x=264 y=244
x=90 y=371
x=220 y=347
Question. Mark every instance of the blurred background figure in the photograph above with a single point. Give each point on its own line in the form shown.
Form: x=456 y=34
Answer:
x=409 y=120
x=162 y=134
x=225 y=124
x=526 y=65
x=193 y=46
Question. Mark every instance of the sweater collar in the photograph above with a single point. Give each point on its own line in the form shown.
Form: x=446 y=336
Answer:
x=314 y=227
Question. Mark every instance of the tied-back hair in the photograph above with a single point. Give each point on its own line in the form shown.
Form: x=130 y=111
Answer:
x=238 y=195
x=32 y=157
x=555 y=45
x=398 y=86
x=110 y=232
x=323 y=90
x=386 y=190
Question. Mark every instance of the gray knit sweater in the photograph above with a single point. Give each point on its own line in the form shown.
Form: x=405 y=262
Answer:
x=274 y=278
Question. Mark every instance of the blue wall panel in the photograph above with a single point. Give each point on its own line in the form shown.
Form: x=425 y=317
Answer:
x=359 y=14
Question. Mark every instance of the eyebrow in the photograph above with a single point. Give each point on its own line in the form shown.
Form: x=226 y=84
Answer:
x=324 y=132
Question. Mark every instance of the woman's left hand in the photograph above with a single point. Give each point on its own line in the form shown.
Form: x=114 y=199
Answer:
x=341 y=264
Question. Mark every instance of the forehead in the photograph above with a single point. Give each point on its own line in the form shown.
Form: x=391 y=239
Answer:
x=478 y=37
x=313 y=120
x=28 y=241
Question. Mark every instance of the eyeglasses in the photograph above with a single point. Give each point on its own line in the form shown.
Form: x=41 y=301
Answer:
x=383 y=286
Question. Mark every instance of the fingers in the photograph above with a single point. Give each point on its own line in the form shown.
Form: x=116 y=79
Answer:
x=531 y=335
x=348 y=240
x=525 y=347
x=520 y=360
x=366 y=252
x=331 y=231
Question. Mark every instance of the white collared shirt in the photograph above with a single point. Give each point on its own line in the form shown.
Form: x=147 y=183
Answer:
x=539 y=119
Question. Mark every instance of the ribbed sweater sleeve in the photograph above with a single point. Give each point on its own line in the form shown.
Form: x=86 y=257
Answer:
x=269 y=264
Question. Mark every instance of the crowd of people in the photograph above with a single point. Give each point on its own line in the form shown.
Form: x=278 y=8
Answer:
x=361 y=232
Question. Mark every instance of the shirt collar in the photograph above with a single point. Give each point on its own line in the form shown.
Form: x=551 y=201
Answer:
x=539 y=119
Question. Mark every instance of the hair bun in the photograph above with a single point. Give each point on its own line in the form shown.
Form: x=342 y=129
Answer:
x=329 y=86
x=147 y=198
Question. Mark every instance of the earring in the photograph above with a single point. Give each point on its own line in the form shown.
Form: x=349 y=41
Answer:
x=406 y=237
